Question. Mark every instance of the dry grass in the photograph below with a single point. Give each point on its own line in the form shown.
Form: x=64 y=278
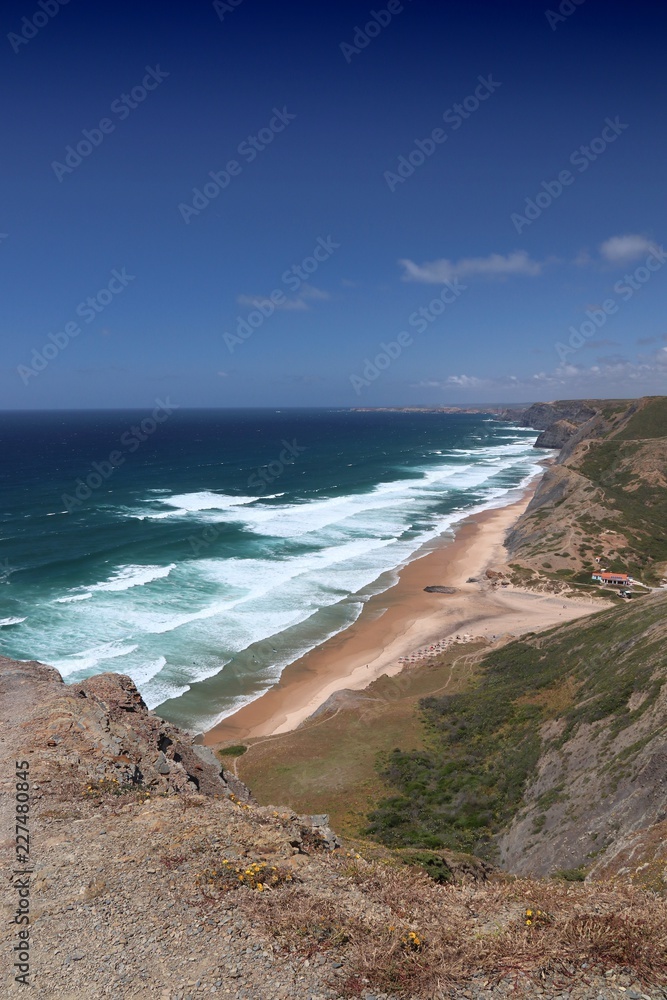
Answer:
x=555 y=699
x=404 y=934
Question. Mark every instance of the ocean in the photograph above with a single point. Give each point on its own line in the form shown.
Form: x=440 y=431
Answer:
x=201 y=551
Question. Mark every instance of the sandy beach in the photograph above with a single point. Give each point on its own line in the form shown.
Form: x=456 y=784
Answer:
x=396 y=624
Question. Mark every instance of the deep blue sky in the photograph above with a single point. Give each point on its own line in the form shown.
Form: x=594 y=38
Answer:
x=325 y=176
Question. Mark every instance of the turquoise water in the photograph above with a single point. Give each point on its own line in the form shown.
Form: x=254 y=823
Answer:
x=203 y=551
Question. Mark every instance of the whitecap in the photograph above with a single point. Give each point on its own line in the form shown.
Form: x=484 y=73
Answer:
x=132 y=576
x=147 y=671
x=88 y=659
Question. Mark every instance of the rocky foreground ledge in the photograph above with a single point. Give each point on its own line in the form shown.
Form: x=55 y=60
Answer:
x=151 y=872
x=101 y=730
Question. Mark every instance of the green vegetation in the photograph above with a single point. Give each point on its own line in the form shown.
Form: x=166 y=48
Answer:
x=571 y=874
x=547 y=799
x=610 y=500
x=237 y=750
x=432 y=863
x=612 y=408
x=327 y=765
x=482 y=745
x=638 y=507
x=648 y=422
x=623 y=470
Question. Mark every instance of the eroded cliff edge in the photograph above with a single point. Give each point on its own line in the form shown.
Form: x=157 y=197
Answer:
x=604 y=500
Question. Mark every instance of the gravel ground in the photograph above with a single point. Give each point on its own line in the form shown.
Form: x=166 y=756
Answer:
x=120 y=902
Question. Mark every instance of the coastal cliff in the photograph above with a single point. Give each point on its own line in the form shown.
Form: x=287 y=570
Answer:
x=546 y=417
x=152 y=872
x=516 y=845
x=603 y=500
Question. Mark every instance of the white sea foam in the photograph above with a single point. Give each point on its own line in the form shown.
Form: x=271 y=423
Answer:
x=205 y=500
x=164 y=692
x=132 y=576
x=144 y=674
x=270 y=674
x=298 y=519
x=11 y=621
x=88 y=659
x=313 y=563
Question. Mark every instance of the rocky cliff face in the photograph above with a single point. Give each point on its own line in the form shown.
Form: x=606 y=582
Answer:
x=101 y=731
x=558 y=420
x=603 y=498
x=542 y=415
x=557 y=434
x=131 y=829
x=598 y=798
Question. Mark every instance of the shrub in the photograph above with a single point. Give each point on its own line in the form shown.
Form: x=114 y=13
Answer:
x=237 y=750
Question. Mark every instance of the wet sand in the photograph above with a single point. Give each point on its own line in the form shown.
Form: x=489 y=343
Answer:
x=403 y=619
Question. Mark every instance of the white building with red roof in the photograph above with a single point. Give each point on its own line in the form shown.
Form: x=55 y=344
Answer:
x=614 y=579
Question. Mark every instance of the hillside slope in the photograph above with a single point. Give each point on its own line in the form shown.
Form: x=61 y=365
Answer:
x=553 y=758
x=605 y=496
x=599 y=691
x=141 y=885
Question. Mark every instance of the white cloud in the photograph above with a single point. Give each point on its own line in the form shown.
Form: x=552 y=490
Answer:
x=436 y=272
x=623 y=249
x=601 y=379
x=307 y=293
x=316 y=294
x=259 y=302
x=465 y=381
